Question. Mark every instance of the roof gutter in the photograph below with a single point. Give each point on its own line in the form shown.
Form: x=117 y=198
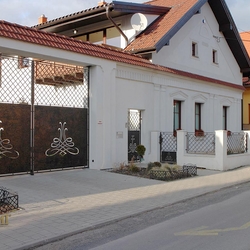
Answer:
x=117 y=27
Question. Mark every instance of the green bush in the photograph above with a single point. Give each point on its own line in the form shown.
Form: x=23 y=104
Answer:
x=140 y=149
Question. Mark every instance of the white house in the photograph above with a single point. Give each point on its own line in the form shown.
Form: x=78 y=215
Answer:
x=186 y=78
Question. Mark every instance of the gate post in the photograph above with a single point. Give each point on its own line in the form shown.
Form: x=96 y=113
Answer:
x=32 y=120
x=181 y=147
x=155 y=151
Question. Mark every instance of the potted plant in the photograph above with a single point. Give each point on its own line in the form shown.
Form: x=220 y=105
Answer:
x=140 y=149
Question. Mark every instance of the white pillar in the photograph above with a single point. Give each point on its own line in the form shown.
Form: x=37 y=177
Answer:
x=181 y=147
x=220 y=149
x=155 y=147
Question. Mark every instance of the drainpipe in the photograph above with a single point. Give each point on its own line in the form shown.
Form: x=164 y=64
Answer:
x=109 y=17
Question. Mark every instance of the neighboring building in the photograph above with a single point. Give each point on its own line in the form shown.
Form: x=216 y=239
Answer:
x=187 y=74
x=245 y=36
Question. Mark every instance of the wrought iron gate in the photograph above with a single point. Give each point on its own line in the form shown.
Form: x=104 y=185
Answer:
x=43 y=114
x=168 y=147
x=134 y=134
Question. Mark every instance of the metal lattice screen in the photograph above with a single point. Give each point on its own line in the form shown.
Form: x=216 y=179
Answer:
x=168 y=147
x=204 y=144
x=64 y=85
x=237 y=143
x=15 y=81
x=134 y=120
x=168 y=142
x=8 y=200
x=55 y=84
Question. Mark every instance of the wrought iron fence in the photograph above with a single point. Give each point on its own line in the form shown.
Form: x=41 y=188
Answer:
x=204 y=144
x=168 y=147
x=237 y=143
x=8 y=200
x=166 y=175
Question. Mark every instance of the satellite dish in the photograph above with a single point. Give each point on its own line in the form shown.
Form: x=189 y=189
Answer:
x=139 y=22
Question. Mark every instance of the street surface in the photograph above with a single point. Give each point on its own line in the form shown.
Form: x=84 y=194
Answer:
x=219 y=220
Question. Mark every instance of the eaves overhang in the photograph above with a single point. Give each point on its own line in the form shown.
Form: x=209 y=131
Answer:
x=98 y=14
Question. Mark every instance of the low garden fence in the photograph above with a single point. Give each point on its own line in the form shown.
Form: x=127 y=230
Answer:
x=165 y=175
x=8 y=200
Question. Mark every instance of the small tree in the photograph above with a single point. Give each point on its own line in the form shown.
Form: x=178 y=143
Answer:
x=140 y=149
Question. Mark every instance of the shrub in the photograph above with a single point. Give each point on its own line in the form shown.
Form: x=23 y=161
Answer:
x=140 y=149
x=150 y=166
x=133 y=168
x=157 y=164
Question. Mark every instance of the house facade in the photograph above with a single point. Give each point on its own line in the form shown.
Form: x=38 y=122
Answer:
x=178 y=71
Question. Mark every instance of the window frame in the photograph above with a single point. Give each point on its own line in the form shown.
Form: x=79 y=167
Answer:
x=176 y=112
x=225 y=117
x=215 y=56
x=197 y=119
x=195 y=49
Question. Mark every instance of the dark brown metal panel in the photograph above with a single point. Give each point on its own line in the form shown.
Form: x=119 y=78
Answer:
x=15 y=138
x=60 y=137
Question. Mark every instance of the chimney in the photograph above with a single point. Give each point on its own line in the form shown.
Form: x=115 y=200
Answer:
x=101 y=3
x=42 y=19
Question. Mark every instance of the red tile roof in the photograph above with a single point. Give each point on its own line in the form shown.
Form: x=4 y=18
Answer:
x=149 y=38
x=31 y=35
x=245 y=36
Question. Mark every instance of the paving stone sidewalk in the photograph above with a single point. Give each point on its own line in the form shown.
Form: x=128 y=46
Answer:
x=57 y=204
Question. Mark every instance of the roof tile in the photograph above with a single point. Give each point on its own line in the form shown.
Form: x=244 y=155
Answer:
x=162 y=25
x=31 y=35
x=245 y=36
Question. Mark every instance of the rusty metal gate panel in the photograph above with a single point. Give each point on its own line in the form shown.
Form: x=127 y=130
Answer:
x=60 y=138
x=14 y=138
x=15 y=106
x=43 y=115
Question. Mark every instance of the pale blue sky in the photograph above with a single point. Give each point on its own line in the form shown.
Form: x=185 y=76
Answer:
x=27 y=12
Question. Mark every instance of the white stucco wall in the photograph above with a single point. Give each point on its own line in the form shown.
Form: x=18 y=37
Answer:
x=125 y=87
x=201 y=29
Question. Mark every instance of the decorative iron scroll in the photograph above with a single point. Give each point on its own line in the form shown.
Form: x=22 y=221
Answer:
x=62 y=145
x=6 y=149
x=132 y=145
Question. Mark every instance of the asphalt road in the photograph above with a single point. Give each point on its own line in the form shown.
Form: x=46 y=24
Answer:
x=219 y=220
